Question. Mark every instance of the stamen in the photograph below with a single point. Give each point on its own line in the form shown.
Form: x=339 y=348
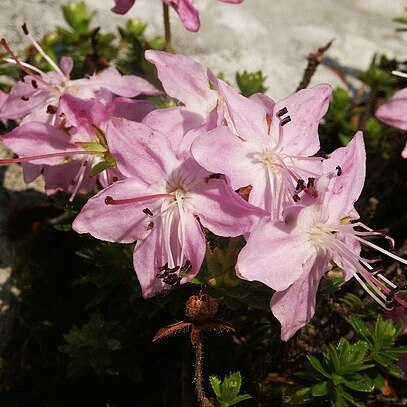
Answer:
x=78 y=181
x=300 y=185
x=296 y=198
x=339 y=171
x=310 y=183
x=374 y=246
x=51 y=109
x=22 y=65
x=282 y=112
x=400 y=74
x=110 y=201
x=172 y=279
x=43 y=54
x=285 y=121
x=321 y=154
x=44 y=156
x=25 y=98
x=186 y=267
x=34 y=84
x=148 y=212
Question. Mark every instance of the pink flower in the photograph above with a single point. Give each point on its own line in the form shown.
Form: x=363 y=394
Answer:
x=162 y=204
x=65 y=156
x=265 y=145
x=187 y=13
x=394 y=113
x=37 y=95
x=186 y=80
x=292 y=255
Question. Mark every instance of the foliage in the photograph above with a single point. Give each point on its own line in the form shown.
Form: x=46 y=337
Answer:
x=227 y=391
x=90 y=345
x=353 y=368
x=251 y=82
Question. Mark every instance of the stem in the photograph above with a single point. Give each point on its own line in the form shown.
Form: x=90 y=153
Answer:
x=167 y=27
x=198 y=377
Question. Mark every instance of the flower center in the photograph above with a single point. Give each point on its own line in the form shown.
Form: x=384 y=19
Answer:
x=270 y=159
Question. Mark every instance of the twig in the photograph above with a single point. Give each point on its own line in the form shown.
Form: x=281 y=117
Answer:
x=313 y=61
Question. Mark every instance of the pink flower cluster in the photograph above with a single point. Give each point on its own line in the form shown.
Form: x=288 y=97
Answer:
x=185 y=9
x=168 y=175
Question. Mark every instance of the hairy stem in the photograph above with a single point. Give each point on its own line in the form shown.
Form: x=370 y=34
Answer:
x=167 y=27
x=198 y=377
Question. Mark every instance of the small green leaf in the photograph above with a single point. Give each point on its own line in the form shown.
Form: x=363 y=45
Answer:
x=320 y=389
x=316 y=364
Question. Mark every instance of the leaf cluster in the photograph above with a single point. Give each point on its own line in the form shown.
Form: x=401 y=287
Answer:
x=348 y=369
x=227 y=390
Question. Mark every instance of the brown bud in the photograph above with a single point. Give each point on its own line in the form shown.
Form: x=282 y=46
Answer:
x=201 y=308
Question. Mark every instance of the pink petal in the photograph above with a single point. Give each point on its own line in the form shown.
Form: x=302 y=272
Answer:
x=267 y=103
x=131 y=109
x=124 y=223
x=394 y=111
x=223 y=211
x=36 y=139
x=140 y=151
x=149 y=254
x=187 y=13
x=346 y=188
x=276 y=254
x=185 y=80
x=295 y=306
x=305 y=108
x=247 y=118
x=82 y=113
x=220 y=151
x=31 y=171
x=16 y=108
x=60 y=177
x=121 y=85
x=123 y=6
x=174 y=122
x=66 y=65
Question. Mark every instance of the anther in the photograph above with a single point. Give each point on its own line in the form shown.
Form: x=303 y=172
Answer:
x=311 y=183
x=115 y=179
x=22 y=76
x=150 y=225
x=173 y=270
x=34 y=84
x=148 y=212
x=322 y=154
x=172 y=279
x=72 y=182
x=69 y=205
x=285 y=121
x=300 y=185
x=282 y=112
x=339 y=170
x=164 y=267
x=25 y=98
x=25 y=29
x=296 y=198
x=108 y=200
x=51 y=109
x=186 y=267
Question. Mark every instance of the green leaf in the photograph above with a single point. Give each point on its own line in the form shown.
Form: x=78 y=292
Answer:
x=316 y=364
x=77 y=16
x=92 y=147
x=251 y=82
x=320 y=389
